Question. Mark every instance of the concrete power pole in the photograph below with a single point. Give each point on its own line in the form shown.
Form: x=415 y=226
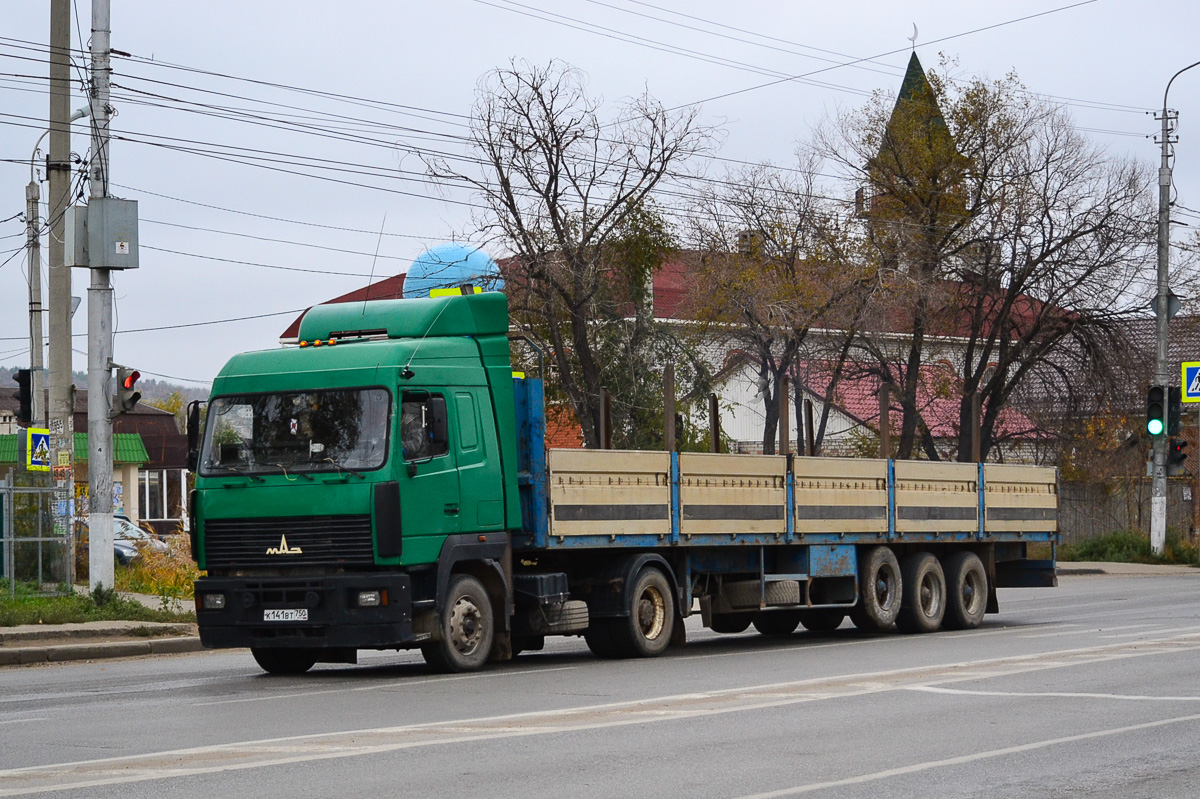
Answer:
x=61 y=415
x=1162 y=376
x=33 y=225
x=100 y=436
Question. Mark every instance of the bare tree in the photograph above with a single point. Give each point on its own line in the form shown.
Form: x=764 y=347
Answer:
x=996 y=225
x=774 y=261
x=571 y=196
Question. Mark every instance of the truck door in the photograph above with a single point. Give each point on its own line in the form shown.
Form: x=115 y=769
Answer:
x=429 y=497
x=479 y=479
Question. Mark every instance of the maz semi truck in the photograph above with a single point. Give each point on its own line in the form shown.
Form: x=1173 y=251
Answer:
x=386 y=485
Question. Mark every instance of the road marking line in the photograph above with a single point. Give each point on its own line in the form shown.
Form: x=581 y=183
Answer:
x=22 y=721
x=965 y=759
x=1141 y=627
x=383 y=686
x=874 y=638
x=934 y=689
x=242 y=755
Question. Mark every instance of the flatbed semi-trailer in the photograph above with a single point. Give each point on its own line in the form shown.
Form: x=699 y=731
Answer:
x=387 y=485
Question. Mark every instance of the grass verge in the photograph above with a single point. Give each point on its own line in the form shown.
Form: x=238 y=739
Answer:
x=27 y=607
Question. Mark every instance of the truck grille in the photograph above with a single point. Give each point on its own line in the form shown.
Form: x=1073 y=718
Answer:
x=320 y=540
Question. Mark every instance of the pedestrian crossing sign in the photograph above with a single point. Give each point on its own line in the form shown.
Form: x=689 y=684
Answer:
x=37 y=450
x=1191 y=381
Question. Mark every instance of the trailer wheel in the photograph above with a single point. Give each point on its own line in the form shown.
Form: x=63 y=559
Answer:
x=879 y=589
x=924 y=593
x=284 y=661
x=646 y=632
x=777 y=622
x=822 y=620
x=467 y=628
x=966 y=591
x=730 y=622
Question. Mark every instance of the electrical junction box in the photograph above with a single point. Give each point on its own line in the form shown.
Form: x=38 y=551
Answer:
x=102 y=234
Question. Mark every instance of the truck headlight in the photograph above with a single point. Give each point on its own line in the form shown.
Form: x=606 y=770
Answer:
x=212 y=601
x=369 y=599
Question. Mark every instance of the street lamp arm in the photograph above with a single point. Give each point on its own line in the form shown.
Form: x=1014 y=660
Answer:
x=1172 y=80
x=80 y=113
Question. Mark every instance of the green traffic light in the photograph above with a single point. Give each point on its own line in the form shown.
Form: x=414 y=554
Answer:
x=1154 y=427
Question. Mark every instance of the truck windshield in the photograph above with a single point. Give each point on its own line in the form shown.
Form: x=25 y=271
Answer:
x=297 y=432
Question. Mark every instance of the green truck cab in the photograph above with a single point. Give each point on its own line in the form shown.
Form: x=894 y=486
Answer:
x=334 y=478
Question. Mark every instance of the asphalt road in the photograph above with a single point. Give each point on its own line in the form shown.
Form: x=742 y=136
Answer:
x=1091 y=689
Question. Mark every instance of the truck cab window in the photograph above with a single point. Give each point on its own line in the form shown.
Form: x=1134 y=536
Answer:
x=423 y=431
x=296 y=432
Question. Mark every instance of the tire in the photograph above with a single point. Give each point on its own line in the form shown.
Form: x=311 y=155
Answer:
x=777 y=623
x=966 y=591
x=601 y=638
x=646 y=631
x=880 y=586
x=468 y=628
x=747 y=593
x=284 y=661
x=731 y=622
x=822 y=620
x=924 y=593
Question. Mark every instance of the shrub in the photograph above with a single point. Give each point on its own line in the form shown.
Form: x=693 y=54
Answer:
x=1128 y=547
x=169 y=574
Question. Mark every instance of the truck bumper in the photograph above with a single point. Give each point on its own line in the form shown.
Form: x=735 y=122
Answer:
x=317 y=613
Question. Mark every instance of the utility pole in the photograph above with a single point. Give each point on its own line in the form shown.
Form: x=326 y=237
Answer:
x=33 y=224
x=61 y=416
x=100 y=455
x=1162 y=376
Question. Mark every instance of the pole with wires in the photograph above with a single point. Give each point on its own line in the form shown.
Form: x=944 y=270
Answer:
x=1158 y=486
x=33 y=224
x=100 y=428
x=61 y=413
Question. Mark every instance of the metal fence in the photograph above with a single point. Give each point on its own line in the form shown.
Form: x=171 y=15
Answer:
x=32 y=553
x=1087 y=510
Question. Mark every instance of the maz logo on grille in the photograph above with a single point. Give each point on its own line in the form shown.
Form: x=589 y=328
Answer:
x=283 y=548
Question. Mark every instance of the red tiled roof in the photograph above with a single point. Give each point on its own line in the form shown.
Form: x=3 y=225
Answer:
x=938 y=399
x=390 y=288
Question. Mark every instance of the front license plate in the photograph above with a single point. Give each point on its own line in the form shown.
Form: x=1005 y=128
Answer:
x=300 y=614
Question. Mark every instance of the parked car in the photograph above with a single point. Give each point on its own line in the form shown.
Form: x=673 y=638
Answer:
x=127 y=537
x=126 y=532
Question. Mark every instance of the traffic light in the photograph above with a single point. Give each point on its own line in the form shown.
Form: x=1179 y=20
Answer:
x=1174 y=408
x=127 y=393
x=24 y=395
x=1156 y=410
x=1176 y=457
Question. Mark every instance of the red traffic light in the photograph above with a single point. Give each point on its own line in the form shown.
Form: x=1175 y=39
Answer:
x=131 y=378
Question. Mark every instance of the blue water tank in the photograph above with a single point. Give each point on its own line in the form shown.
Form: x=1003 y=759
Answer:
x=450 y=266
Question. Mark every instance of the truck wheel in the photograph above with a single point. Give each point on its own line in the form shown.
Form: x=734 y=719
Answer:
x=822 y=620
x=601 y=638
x=924 y=594
x=646 y=632
x=284 y=661
x=730 y=622
x=879 y=589
x=467 y=628
x=777 y=622
x=966 y=591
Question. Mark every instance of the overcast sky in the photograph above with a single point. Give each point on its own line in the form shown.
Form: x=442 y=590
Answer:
x=399 y=75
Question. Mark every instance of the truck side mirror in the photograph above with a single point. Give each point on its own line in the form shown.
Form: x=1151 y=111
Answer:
x=439 y=431
x=193 y=434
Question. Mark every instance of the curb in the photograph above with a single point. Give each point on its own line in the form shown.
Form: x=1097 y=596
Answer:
x=23 y=655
